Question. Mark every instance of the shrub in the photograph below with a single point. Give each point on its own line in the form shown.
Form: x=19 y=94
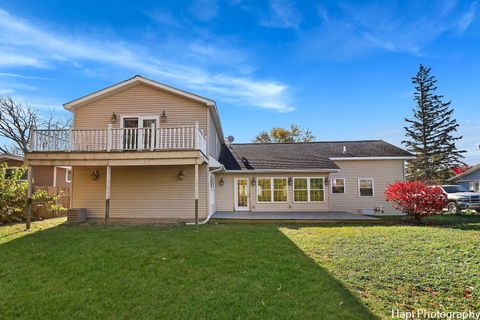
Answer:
x=13 y=195
x=416 y=198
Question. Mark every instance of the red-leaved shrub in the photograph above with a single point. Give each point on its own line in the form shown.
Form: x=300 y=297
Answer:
x=416 y=198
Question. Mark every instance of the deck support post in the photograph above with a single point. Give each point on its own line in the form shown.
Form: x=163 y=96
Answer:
x=28 y=217
x=196 y=195
x=107 y=193
x=54 y=176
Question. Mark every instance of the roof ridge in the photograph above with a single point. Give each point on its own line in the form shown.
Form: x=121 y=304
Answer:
x=306 y=142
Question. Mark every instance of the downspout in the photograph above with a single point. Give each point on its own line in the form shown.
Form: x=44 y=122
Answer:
x=210 y=213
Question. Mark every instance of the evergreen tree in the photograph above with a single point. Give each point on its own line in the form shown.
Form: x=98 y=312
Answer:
x=430 y=133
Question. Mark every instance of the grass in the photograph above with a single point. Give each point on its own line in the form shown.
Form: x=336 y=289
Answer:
x=334 y=271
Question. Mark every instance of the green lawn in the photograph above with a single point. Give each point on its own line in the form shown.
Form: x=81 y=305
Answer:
x=332 y=271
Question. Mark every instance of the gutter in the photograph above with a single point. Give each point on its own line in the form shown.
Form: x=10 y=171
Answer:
x=211 y=213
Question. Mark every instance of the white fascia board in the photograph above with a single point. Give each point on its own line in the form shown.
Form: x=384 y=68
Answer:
x=372 y=158
x=282 y=170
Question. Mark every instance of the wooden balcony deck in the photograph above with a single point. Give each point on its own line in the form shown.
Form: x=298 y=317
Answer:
x=119 y=139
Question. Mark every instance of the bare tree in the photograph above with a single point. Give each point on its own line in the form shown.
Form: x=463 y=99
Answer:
x=16 y=120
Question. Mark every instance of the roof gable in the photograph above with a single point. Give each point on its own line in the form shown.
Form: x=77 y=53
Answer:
x=130 y=83
x=72 y=105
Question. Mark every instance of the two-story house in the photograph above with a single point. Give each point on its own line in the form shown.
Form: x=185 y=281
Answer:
x=143 y=150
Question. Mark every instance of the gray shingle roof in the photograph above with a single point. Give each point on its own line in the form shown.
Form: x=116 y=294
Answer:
x=302 y=155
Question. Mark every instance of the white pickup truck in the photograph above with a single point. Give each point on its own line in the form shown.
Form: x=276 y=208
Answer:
x=459 y=198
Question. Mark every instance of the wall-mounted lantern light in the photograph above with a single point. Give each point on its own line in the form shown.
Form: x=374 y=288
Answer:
x=254 y=181
x=290 y=181
x=181 y=175
x=221 y=181
x=113 y=118
x=163 y=116
x=95 y=175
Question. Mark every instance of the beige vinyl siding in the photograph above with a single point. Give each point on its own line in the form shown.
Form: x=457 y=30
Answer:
x=225 y=194
x=382 y=171
x=87 y=193
x=142 y=192
x=213 y=138
x=141 y=99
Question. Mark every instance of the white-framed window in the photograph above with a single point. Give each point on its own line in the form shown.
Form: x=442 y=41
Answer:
x=272 y=189
x=338 y=185
x=366 y=187
x=68 y=175
x=311 y=189
x=300 y=189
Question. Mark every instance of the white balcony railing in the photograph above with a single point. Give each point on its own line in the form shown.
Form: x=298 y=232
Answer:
x=124 y=139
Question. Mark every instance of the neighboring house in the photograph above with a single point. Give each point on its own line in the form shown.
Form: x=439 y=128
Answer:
x=470 y=178
x=11 y=161
x=44 y=176
x=143 y=150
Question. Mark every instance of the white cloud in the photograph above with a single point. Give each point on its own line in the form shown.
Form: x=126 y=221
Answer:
x=283 y=14
x=164 y=17
x=38 y=47
x=20 y=76
x=468 y=17
x=204 y=10
x=14 y=59
x=355 y=30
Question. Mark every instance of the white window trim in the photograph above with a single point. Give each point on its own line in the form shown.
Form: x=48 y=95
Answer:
x=66 y=175
x=271 y=189
x=308 y=189
x=140 y=118
x=344 y=185
x=235 y=195
x=373 y=187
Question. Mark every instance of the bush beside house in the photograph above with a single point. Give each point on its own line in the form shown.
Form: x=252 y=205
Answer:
x=13 y=199
x=416 y=198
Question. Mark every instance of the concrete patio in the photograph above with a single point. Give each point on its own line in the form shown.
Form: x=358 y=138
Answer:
x=291 y=216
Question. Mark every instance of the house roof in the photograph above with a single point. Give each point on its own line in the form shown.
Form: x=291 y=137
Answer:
x=305 y=155
x=10 y=157
x=72 y=105
x=465 y=173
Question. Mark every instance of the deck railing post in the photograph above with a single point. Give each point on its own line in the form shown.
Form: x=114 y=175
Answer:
x=71 y=140
x=109 y=137
x=32 y=138
x=152 y=136
x=196 y=135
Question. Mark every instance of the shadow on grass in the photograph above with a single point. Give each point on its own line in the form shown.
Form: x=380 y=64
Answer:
x=218 y=272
